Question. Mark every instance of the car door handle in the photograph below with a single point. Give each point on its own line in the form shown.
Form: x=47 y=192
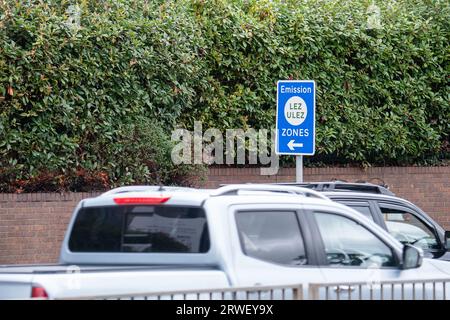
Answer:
x=344 y=288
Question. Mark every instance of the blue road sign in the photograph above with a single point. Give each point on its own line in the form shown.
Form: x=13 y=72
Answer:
x=296 y=108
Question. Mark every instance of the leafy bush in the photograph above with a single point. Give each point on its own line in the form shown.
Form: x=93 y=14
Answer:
x=139 y=152
x=69 y=95
x=383 y=93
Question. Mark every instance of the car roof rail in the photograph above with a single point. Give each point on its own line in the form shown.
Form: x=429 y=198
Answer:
x=343 y=186
x=233 y=189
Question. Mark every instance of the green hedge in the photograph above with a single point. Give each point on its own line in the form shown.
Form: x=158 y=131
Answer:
x=69 y=95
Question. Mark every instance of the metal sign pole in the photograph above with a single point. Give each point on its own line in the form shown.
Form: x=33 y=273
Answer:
x=298 y=168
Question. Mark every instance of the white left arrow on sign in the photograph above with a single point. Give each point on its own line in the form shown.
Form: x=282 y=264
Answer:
x=293 y=145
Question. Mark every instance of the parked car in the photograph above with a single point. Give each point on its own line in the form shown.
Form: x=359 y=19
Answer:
x=143 y=239
x=404 y=220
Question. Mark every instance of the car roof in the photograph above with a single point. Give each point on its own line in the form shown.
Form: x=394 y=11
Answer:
x=342 y=186
x=356 y=194
x=363 y=196
x=276 y=199
x=242 y=193
x=349 y=190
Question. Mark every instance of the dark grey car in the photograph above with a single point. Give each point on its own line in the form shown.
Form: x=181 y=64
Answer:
x=404 y=220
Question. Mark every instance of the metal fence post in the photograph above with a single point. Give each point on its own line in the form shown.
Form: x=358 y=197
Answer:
x=313 y=292
x=297 y=293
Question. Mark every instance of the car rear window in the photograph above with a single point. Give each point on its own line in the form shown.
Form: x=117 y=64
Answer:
x=142 y=228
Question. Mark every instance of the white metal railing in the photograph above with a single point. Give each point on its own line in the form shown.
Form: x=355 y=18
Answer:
x=430 y=289
x=282 y=292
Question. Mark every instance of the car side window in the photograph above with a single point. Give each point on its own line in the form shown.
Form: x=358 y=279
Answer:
x=347 y=243
x=361 y=208
x=272 y=236
x=408 y=229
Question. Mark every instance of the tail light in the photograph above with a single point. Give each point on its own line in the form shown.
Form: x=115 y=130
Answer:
x=141 y=200
x=38 y=292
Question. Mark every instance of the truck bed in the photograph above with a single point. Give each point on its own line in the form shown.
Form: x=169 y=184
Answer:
x=66 y=281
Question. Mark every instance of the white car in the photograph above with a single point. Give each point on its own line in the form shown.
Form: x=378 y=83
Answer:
x=142 y=239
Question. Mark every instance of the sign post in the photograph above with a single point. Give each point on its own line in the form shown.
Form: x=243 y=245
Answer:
x=295 y=125
x=298 y=168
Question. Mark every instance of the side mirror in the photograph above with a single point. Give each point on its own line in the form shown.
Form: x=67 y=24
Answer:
x=412 y=257
x=447 y=240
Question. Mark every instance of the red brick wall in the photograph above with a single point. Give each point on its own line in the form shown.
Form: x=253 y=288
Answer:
x=32 y=226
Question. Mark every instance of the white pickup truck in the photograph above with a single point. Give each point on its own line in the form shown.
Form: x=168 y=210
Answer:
x=145 y=238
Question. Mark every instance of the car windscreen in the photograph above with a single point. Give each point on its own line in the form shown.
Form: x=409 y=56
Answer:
x=140 y=228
